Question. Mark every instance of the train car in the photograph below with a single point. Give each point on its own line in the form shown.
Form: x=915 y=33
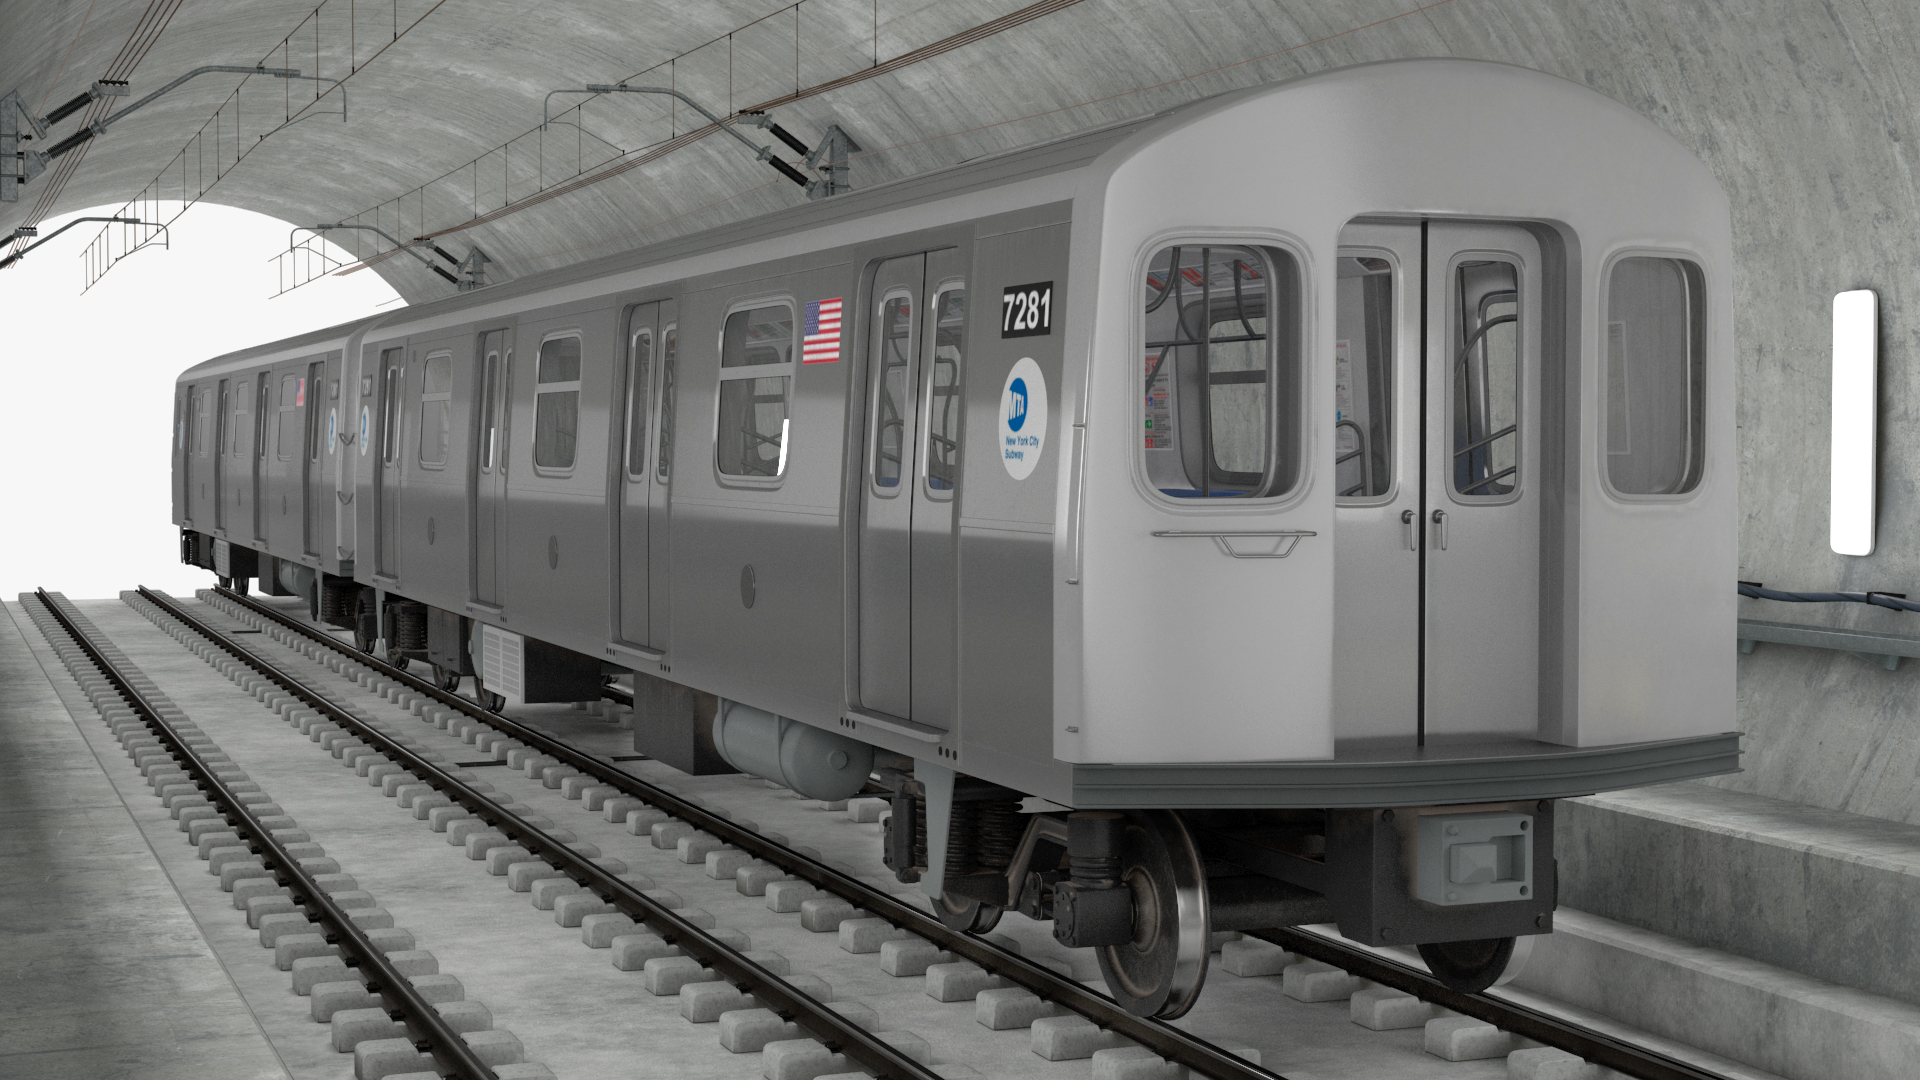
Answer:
x=1254 y=514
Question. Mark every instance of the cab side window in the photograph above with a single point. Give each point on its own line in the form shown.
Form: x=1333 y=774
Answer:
x=1220 y=378
x=1655 y=360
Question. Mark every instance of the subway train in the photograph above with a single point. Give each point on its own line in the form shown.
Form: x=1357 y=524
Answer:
x=1253 y=514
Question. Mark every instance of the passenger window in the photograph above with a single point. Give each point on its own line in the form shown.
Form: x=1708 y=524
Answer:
x=943 y=395
x=1485 y=381
x=756 y=368
x=1655 y=357
x=892 y=364
x=285 y=438
x=1222 y=372
x=556 y=404
x=1363 y=378
x=436 y=409
x=663 y=457
x=640 y=371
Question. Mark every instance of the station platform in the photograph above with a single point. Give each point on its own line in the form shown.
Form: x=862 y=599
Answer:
x=110 y=975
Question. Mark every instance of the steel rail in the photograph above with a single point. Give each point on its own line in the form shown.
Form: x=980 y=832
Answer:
x=405 y=1002
x=1593 y=1046
x=837 y=1032
x=1162 y=1038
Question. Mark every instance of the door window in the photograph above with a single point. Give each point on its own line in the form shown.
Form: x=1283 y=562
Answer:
x=663 y=457
x=756 y=366
x=641 y=370
x=201 y=418
x=556 y=404
x=288 y=434
x=893 y=387
x=1654 y=362
x=391 y=381
x=1221 y=372
x=263 y=408
x=943 y=393
x=489 y=412
x=1363 y=379
x=1485 y=381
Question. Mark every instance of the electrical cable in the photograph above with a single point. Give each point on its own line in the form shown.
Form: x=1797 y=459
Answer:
x=1897 y=601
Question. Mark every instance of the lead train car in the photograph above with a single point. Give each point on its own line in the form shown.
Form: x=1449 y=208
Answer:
x=1292 y=494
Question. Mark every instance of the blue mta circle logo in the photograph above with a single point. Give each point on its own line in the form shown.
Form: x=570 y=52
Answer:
x=1017 y=405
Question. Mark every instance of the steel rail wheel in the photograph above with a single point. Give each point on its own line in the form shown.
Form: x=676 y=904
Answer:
x=1159 y=973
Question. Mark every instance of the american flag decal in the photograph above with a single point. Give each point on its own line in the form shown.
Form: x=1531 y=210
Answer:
x=821 y=342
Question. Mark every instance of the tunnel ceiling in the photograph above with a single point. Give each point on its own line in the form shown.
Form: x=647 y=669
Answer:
x=444 y=100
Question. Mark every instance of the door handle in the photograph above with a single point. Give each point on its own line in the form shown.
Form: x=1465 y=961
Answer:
x=1407 y=518
x=1440 y=529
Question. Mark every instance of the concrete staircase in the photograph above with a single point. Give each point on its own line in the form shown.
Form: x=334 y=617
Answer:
x=1781 y=936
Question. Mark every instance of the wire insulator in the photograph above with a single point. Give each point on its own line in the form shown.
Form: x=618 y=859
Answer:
x=69 y=108
x=788 y=171
x=788 y=137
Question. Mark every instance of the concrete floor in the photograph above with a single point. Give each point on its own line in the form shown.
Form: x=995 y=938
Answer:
x=107 y=974
x=160 y=960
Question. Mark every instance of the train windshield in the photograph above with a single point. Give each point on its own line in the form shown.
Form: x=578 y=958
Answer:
x=1221 y=372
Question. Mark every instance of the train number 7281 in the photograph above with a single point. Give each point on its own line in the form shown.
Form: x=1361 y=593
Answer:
x=1026 y=310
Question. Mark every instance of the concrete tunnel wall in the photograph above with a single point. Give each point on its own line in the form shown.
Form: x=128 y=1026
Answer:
x=1805 y=112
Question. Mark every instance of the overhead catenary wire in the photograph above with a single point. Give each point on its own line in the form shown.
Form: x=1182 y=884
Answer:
x=927 y=52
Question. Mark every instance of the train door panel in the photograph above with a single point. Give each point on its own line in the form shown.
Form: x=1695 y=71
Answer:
x=942 y=356
x=222 y=434
x=647 y=325
x=182 y=402
x=888 y=487
x=288 y=432
x=313 y=480
x=390 y=382
x=659 y=495
x=1377 y=481
x=262 y=415
x=493 y=410
x=1436 y=623
x=910 y=478
x=1484 y=480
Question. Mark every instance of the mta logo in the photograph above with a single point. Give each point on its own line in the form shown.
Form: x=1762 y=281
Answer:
x=1017 y=405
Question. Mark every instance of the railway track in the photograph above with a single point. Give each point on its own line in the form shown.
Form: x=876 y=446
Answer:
x=830 y=1031
x=1379 y=966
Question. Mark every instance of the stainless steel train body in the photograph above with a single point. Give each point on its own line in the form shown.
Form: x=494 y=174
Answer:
x=1355 y=443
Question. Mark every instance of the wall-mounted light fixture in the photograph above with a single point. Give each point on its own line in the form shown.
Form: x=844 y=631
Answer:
x=1856 y=351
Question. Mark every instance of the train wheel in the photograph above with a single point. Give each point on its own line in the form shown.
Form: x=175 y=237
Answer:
x=364 y=630
x=446 y=678
x=966 y=915
x=397 y=658
x=1468 y=966
x=488 y=700
x=223 y=582
x=1159 y=972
